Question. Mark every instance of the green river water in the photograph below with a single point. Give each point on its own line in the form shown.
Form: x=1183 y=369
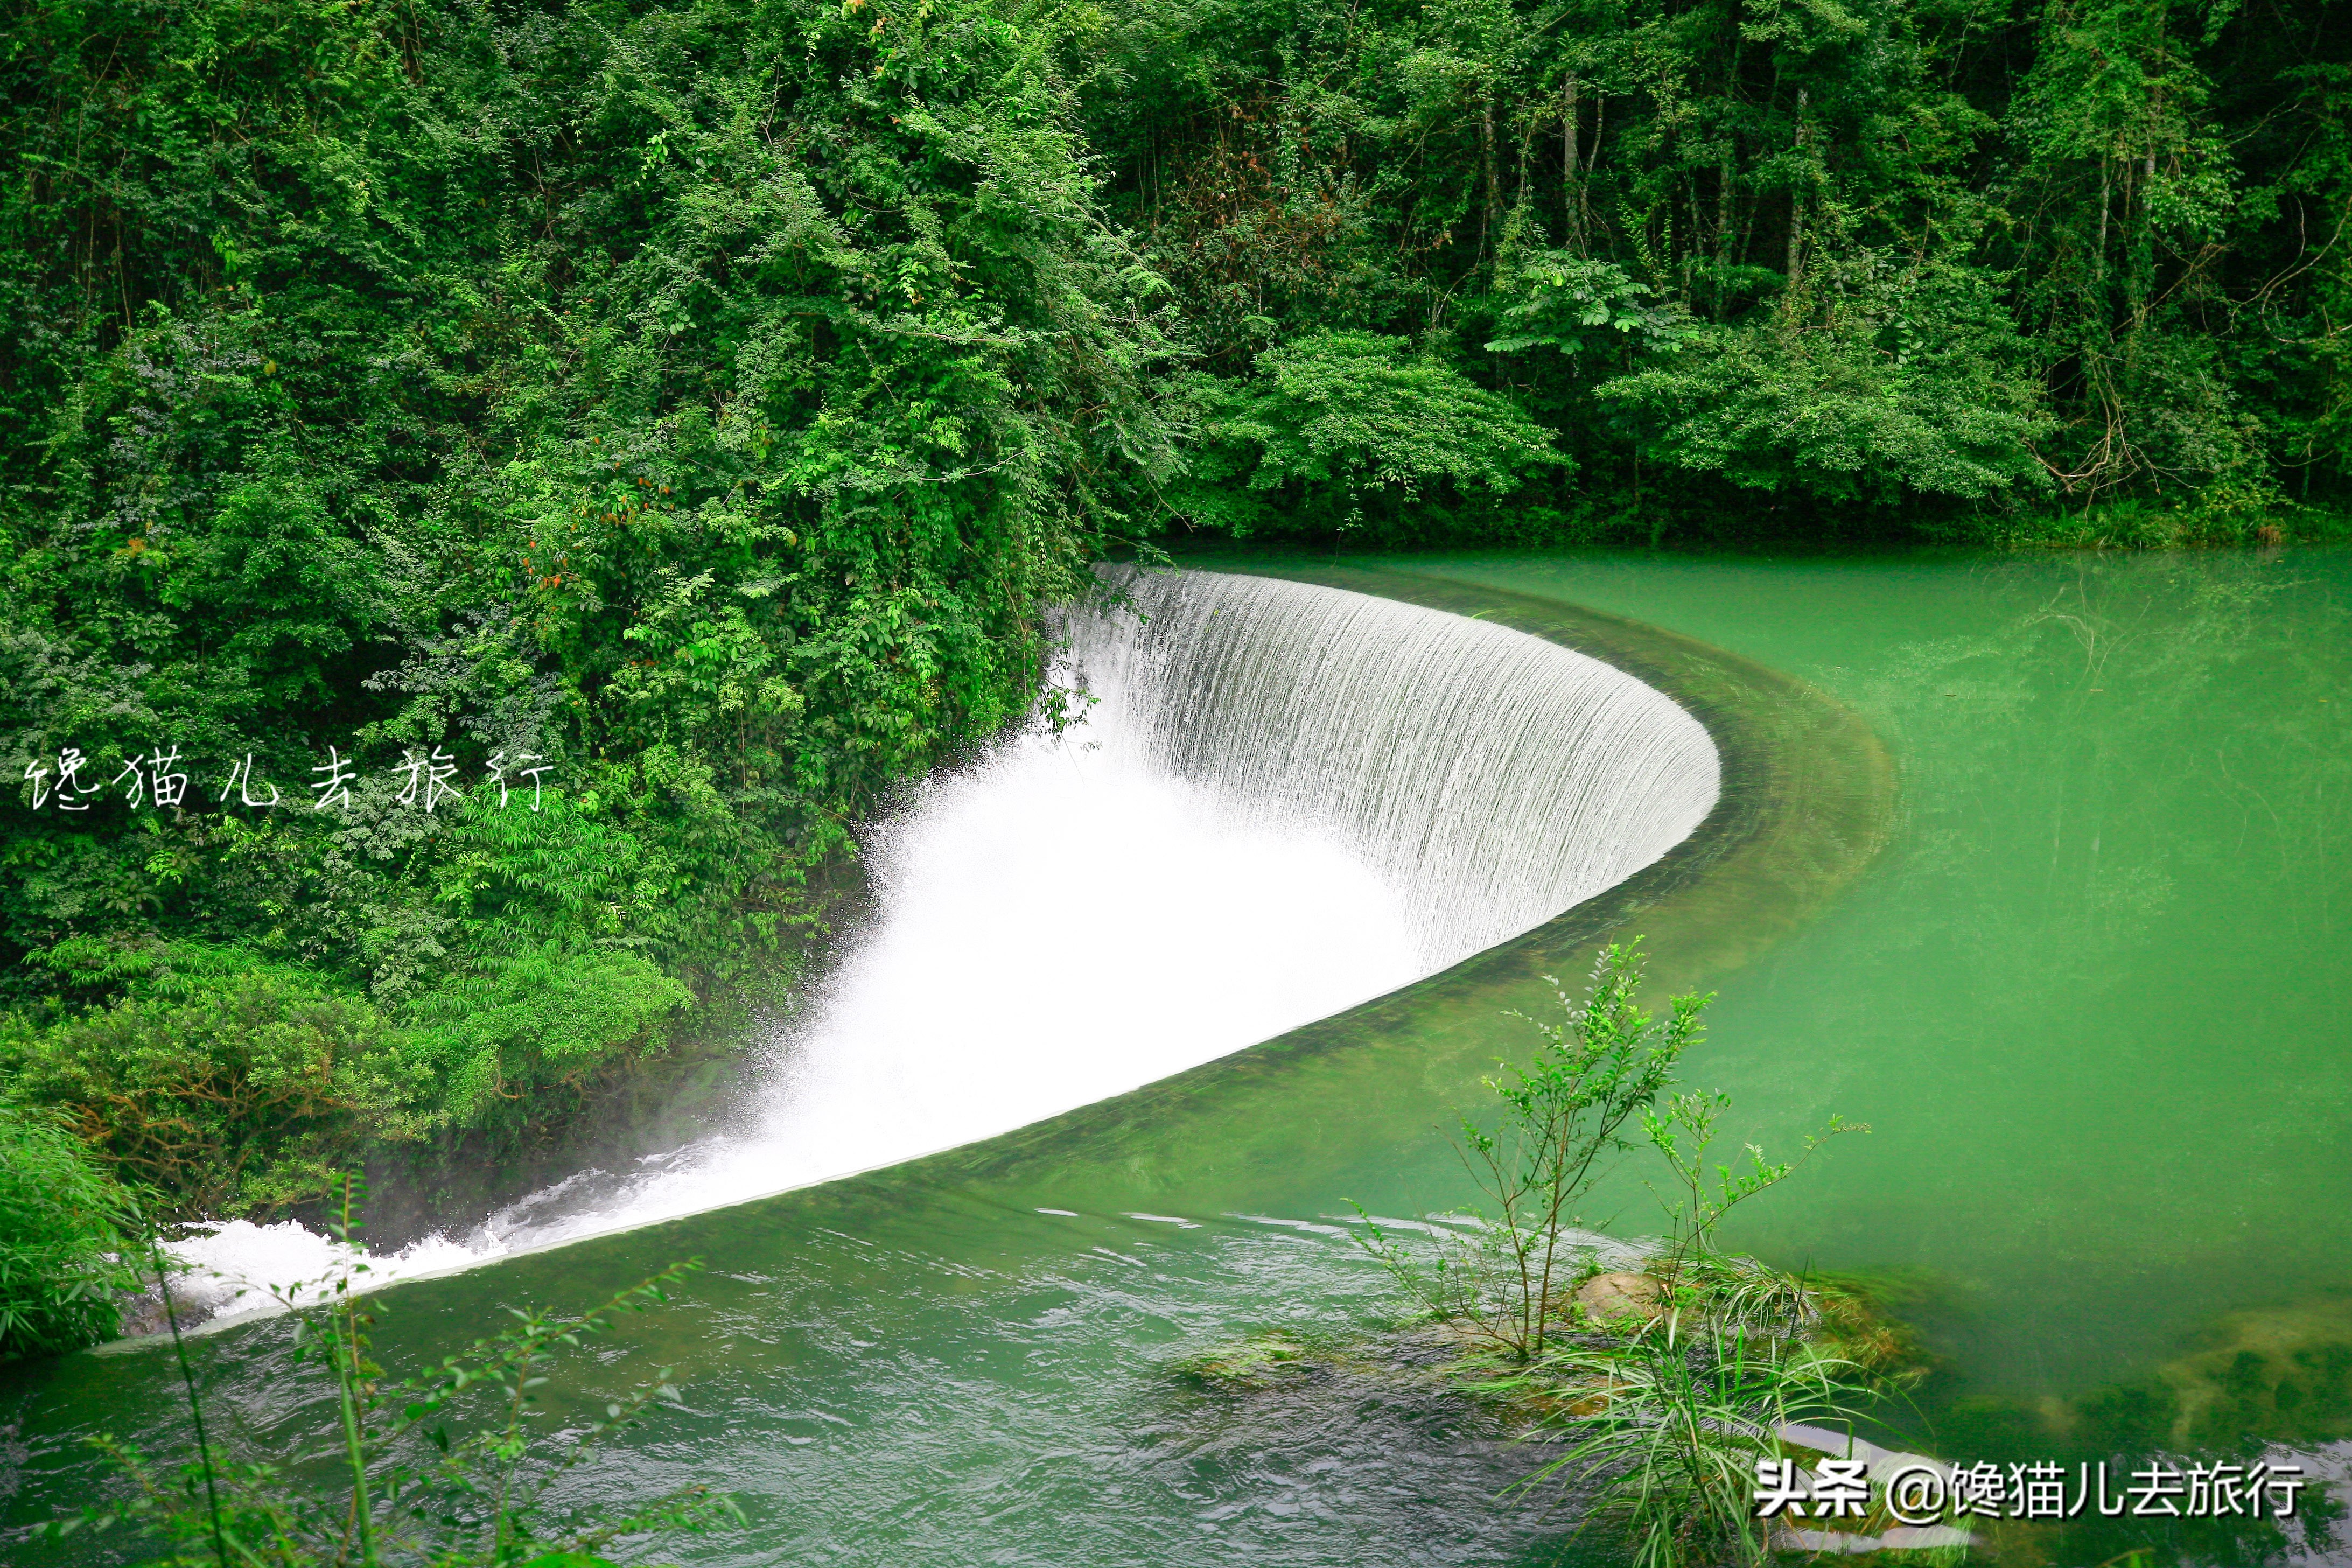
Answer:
x=2072 y=943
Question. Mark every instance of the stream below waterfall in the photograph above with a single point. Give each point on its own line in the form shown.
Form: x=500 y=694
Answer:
x=2037 y=865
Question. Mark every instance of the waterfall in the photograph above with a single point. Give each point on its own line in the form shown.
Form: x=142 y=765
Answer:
x=1492 y=779
x=1284 y=799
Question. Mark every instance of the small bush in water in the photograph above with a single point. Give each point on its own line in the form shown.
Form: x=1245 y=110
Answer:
x=1604 y=1065
x=1669 y=1385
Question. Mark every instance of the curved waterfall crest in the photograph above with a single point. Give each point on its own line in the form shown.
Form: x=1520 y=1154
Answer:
x=1492 y=778
x=1288 y=799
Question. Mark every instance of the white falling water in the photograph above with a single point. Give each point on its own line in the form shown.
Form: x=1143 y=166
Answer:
x=1491 y=778
x=1284 y=799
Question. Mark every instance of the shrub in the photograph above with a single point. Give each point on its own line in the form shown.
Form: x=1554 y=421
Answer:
x=1896 y=382
x=1346 y=430
x=233 y=1095
x=1564 y=1113
x=529 y=1039
x=65 y=1226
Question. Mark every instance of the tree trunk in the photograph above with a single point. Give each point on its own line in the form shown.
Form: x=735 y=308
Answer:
x=1797 y=199
x=1494 y=217
x=1571 y=182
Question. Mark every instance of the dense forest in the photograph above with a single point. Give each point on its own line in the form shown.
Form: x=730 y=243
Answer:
x=497 y=493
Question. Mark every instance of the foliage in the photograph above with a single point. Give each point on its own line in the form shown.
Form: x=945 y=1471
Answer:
x=1880 y=267
x=237 y=1087
x=1705 y=1192
x=1336 y=424
x=1563 y=1114
x=702 y=400
x=243 y=1094
x=541 y=1026
x=1590 y=310
x=1505 y=1280
x=1897 y=384
x=393 y=1484
x=1667 y=1428
x=1667 y=1406
x=66 y=1229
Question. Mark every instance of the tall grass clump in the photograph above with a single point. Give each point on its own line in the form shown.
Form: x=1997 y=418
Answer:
x=65 y=1236
x=1665 y=1429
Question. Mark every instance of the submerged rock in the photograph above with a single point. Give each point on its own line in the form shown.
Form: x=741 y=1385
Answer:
x=1623 y=1293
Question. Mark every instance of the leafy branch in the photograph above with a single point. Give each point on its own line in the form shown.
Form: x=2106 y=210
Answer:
x=407 y=1491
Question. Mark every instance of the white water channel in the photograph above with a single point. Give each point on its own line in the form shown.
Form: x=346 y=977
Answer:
x=1284 y=799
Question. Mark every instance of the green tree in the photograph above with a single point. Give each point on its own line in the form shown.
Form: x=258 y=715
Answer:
x=1343 y=424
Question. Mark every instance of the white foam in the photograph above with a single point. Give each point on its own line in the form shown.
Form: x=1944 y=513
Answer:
x=238 y=1268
